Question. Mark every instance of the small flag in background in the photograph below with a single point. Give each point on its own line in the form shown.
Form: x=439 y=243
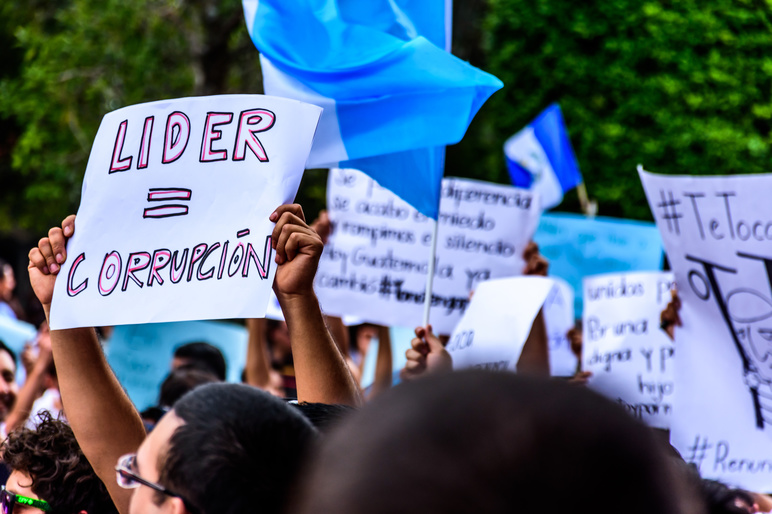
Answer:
x=540 y=158
x=385 y=88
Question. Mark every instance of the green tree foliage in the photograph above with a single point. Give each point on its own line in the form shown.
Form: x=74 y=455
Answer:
x=683 y=87
x=71 y=62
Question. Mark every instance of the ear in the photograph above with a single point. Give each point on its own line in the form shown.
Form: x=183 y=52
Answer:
x=175 y=505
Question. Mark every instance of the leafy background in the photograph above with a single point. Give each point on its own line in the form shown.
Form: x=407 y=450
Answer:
x=682 y=87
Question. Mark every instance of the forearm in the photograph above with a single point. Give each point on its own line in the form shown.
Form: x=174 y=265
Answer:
x=383 y=364
x=534 y=359
x=29 y=392
x=258 y=368
x=103 y=419
x=321 y=372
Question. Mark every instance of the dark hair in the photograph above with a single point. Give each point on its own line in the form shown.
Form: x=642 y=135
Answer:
x=182 y=380
x=3 y=264
x=720 y=498
x=494 y=443
x=324 y=416
x=4 y=348
x=60 y=473
x=239 y=450
x=204 y=356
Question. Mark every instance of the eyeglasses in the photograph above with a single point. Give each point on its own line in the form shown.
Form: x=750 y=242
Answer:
x=127 y=478
x=9 y=499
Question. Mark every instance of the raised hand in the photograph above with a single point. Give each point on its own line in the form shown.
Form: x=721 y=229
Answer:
x=46 y=259
x=298 y=249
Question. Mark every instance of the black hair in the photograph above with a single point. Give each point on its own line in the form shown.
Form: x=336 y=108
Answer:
x=4 y=348
x=324 y=416
x=476 y=441
x=180 y=381
x=239 y=450
x=204 y=356
x=720 y=498
x=60 y=473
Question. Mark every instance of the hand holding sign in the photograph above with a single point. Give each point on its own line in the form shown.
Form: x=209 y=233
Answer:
x=46 y=258
x=298 y=248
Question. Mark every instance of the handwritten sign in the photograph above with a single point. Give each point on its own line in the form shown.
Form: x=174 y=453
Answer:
x=173 y=222
x=496 y=325
x=577 y=246
x=559 y=319
x=717 y=233
x=631 y=358
x=376 y=262
x=141 y=355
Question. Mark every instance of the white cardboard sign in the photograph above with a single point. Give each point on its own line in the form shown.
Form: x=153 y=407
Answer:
x=494 y=328
x=376 y=262
x=173 y=222
x=630 y=356
x=559 y=318
x=718 y=235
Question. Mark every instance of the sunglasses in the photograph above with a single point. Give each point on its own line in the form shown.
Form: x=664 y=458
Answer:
x=126 y=476
x=9 y=499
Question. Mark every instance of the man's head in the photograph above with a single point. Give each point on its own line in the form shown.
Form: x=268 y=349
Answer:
x=8 y=387
x=224 y=448
x=7 y=281
x=47 y=464
x=200 y=355
x=490 y=442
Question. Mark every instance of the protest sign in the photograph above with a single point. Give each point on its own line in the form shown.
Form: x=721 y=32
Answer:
x=631 y=358
x=173 y=222
x=717 y=233
x=577 y=246
x=494 y=328
x=141 y=355
x=559 y=318
x=376 y=262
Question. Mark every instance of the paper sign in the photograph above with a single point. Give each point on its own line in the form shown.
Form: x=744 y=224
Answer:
x=141 y=355
x=577 y=246
x=376 y=262
x=630 y=356
x=173 y=222
x=559 y=319
x=494 y=328
x=718 y=236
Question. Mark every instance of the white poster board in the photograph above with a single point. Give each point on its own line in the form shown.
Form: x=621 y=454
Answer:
x=717 y=233
x=559 y=318
x=376 y=262
x=173 y=222
x=494 y=328
x=630 y=356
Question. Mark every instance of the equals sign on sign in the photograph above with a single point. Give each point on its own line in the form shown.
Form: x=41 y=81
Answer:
x=167 y=210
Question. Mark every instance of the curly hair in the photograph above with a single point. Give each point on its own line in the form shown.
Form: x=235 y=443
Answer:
x=60 y=473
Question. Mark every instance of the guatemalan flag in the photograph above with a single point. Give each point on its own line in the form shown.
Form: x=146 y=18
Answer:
x=392 y=96
x=540 y=158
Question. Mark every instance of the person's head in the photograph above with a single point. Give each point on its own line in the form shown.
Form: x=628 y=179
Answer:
x=8 y=386
x=47 y=464
x=7 y=281
x=362 y=335
x=224 y=448
x=201 y=355
x=490 y=442
x=182 y=380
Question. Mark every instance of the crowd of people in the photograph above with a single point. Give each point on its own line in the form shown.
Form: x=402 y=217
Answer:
x=299 y=434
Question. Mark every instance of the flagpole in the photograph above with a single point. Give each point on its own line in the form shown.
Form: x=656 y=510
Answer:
x=589 y=207
x=430 y=278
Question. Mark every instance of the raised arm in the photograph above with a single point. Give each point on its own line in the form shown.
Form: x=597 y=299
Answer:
x=33 y=385
x=258 y=369
x=320 y=369
x=105 y=422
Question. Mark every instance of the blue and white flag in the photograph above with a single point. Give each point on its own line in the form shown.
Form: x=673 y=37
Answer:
x=540 y=158
x=387 y=86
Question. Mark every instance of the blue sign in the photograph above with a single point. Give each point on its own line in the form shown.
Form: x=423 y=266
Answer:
x=577 y=246
x=141 y=355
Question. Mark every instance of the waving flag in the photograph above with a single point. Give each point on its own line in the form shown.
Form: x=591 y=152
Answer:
x=386 y=88
x=540 y=157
